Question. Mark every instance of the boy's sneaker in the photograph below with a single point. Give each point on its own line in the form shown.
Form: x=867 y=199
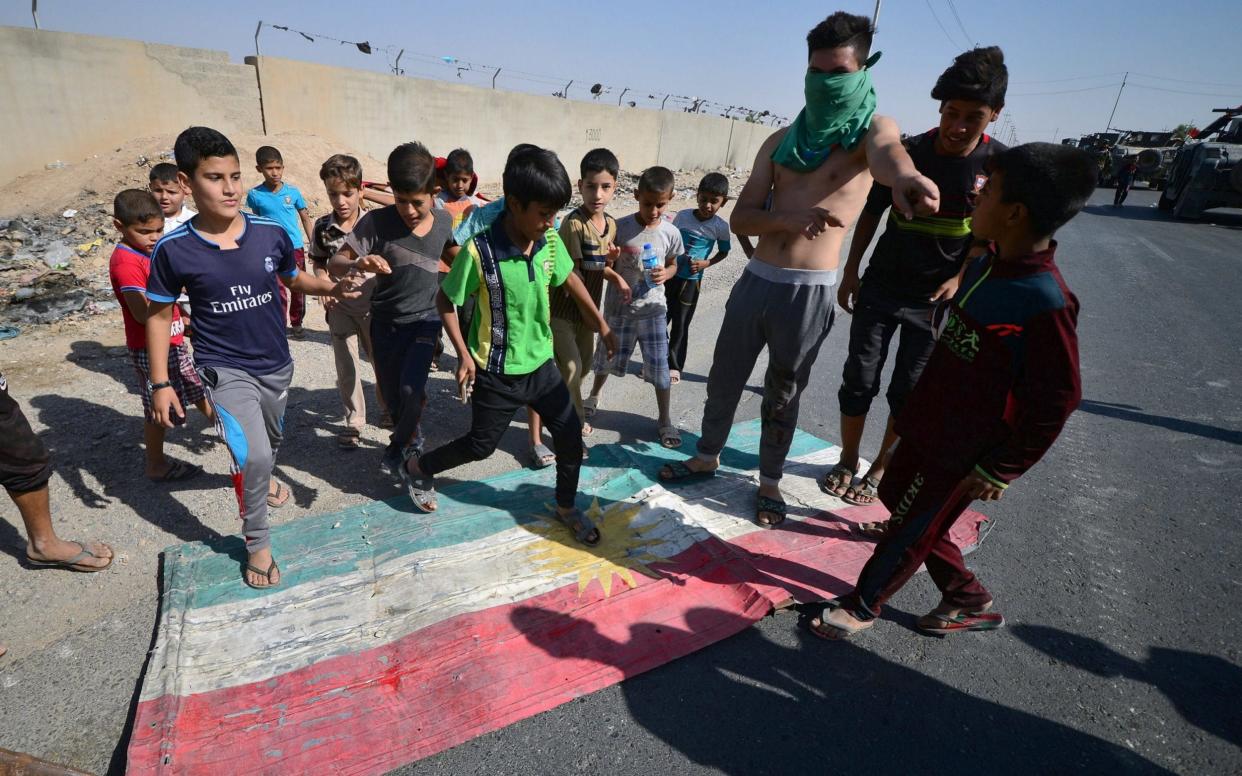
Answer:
x=296 y=332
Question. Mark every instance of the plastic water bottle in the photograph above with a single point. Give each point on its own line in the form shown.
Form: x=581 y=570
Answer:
x=647 y=260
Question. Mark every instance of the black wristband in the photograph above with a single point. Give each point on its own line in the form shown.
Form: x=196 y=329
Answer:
x=153 y=387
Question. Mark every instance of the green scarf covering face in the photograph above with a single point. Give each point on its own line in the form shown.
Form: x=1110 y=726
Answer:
x=838 y=111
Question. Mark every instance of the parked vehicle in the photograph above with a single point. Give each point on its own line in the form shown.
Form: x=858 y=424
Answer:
x=1206 y=172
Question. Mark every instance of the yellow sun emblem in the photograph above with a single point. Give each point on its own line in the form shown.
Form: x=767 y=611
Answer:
x=622 y=549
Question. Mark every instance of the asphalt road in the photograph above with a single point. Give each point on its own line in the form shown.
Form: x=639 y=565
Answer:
x=1114 y=560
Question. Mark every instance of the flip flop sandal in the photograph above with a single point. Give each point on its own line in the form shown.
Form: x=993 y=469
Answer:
x=587 y=428
x=836 y=624
x=868 y=488
x=348 y=440
x=670 y=437
x=178 y=470
x=674 y=376
x=842 y=475
x=265 y=574
x=941 y=624
x=770 y=506
x=279 y=498
x=942 y=620
x=590 y=406
x=677 y=471
x=873 y=530
x=422 y=489
x=72 y=564
x=541 y=456
x=581 y=525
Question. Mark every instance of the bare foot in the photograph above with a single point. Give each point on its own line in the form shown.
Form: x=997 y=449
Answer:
x=59 y=549
x=262 y=560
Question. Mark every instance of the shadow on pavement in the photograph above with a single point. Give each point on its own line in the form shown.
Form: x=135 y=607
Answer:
x=1203 y=688
x=761 y=707
x=1136 y=415
x=85 y=438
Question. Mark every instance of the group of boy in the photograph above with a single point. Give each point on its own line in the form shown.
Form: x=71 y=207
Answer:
x=987 y=368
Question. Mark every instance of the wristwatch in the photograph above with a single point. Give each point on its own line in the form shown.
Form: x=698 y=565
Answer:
x=153 y=387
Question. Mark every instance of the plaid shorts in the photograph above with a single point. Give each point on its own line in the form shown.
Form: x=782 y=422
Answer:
x=185 y=381
x=651 y=335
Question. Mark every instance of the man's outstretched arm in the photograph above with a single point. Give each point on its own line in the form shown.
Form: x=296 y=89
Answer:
x=890 y=164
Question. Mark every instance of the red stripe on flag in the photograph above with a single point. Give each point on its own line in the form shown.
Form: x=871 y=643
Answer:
x=383 y=707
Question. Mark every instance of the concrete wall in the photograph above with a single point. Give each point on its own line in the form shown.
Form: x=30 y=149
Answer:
x=68 y=96
x=375 y=111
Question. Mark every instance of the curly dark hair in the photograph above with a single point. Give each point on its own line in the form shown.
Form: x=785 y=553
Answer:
x=979 y=74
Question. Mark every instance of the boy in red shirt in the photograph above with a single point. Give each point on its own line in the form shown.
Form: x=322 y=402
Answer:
x=999 y=386
x=137 y=216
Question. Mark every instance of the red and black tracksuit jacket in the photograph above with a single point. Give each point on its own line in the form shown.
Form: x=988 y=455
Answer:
x=999 y=386
x=1003 y=378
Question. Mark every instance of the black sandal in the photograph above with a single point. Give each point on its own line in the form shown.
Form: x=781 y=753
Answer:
x=771 y=506
x=677 y=471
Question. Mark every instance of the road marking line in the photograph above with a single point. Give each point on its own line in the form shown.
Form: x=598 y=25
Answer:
x=1157 y=250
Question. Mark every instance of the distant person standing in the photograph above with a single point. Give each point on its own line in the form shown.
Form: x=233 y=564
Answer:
x=1125 y=179
x=283 y=203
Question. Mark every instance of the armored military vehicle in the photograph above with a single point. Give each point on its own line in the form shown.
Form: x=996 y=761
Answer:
x=1207 y=170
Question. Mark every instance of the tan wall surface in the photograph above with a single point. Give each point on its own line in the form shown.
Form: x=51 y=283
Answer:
x=70 y=96
x=377 y=111
x=67 y=96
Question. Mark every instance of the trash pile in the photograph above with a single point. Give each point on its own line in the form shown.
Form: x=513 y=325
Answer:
x=56 y=233
x=52 y=267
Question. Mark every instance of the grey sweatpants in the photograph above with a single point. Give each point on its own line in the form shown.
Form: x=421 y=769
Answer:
x=250 y=416
x=790 y=312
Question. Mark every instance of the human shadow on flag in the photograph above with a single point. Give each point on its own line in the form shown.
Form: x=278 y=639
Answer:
x=749 y=705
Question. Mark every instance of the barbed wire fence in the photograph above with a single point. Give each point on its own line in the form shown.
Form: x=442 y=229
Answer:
x=406 y=61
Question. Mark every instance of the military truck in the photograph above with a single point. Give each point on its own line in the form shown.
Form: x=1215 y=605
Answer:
x=1207 y=170
x=1152 y=151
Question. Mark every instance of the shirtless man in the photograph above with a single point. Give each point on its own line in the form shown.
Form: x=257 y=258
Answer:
x=819 y=171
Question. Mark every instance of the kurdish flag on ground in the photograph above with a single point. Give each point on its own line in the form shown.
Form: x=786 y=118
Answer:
x=396 y=635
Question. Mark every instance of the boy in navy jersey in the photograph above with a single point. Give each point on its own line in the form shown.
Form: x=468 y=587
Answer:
x=915 y=264
x=999 y=386
x=232 y=266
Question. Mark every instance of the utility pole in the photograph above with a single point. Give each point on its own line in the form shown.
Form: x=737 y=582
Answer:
x=1114 y=113
x=34 y=11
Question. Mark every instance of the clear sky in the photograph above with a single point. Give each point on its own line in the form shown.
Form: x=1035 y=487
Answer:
x=1066 y=57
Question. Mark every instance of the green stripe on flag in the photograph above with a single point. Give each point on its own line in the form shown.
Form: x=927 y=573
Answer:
x=200 y=574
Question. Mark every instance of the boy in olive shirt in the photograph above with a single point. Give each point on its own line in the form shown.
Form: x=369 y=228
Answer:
x=507 y=362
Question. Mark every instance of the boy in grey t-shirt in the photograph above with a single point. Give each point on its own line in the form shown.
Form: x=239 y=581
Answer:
x=636 y=309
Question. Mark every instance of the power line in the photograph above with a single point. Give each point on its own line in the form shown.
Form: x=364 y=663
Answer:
x=961 y=26
x=1186 y=80
x=1064 y=91
x=1071 y=78
x=1235 y=95
x=938 y=24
